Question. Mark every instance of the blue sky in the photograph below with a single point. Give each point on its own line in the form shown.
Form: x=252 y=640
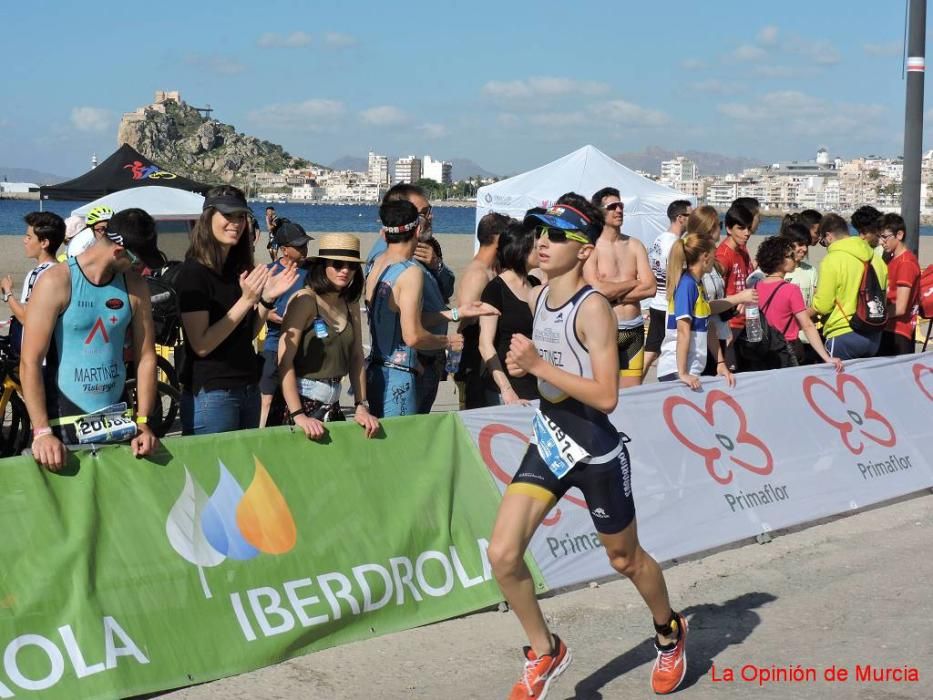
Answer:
x=510 y=85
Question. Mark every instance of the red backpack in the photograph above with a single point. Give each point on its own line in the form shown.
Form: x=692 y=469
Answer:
x=926 y=293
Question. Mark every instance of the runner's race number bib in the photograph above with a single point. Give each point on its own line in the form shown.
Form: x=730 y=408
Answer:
x=111 y=424
x=559 y=451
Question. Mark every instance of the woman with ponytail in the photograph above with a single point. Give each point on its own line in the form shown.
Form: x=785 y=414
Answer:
x=688 y=332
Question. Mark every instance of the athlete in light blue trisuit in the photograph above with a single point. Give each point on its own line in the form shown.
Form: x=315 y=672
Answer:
x=394 y=289
x=79 y=315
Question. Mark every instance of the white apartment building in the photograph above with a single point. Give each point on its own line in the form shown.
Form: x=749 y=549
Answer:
x=378 y=169
x=692 y=188
x=678 y=170
x=408 y=169
x=437 y=170
x=721 y=194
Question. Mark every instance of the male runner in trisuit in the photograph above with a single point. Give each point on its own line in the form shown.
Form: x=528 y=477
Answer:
x=573 y=355
x=619 y=269
x=78 y=317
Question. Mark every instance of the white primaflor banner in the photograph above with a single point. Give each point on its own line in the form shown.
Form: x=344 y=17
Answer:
x=720 y=465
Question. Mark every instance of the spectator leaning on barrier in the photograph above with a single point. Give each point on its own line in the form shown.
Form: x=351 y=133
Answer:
x=678 y=212
x=481 y=270
x=322 y=340
x=782 y=303
x=291 y=245
x=689 y=336
x=73 y=349
x=903 y=294
x=45 y=232
x=508 y=293
x=224 y=300
x=836 y=295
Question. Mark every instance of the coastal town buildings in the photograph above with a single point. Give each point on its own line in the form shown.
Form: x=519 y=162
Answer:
x=408 y=169
x=437 y=170
x=824 y=183
x=378 y=169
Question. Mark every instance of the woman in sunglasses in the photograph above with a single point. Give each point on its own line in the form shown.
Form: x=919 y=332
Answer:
x=322 y=340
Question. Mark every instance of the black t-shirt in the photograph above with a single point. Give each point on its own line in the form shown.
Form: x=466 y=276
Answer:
x=516 y=318
x=233 y=362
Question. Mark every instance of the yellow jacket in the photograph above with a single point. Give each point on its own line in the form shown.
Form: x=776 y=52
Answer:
x=839 y=280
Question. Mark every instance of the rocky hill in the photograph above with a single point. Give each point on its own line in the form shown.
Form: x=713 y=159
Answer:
x=179 y=138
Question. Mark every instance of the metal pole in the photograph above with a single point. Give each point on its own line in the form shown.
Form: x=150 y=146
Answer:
x=913 y=121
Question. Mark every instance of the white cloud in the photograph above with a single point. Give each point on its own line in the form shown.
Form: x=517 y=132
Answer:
x=821 y=53
x=508 y=120
x=748 y=52
x=622 y=113
x=713 y=86
x=793 y=112
x=310 y=115
x=768 y=35
x=889 y=48
x=215 y=63
x=91 y=119
x=433 y=131
x=384 y=115
x=295 y=40
x=339 y=40
x=557 y=120
x=692 y=64
x=542 y=87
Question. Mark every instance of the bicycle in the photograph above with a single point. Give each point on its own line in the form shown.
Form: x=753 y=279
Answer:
x=16 y=429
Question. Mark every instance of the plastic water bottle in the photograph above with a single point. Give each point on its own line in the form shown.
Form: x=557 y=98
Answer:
x=320 y=327
x=752 y=323
x=453 y=361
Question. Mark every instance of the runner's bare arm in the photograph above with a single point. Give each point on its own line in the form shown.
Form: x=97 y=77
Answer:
x=596 y=326
x=407 y=293
x=613 y=290
x=143 y=343
x=647 y=284
x=49 y=298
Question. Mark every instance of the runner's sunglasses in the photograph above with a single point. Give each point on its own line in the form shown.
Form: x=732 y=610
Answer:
x=558 y=235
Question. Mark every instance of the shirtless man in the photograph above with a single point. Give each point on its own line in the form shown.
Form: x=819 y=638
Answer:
x=478 y=273
x=619 y=269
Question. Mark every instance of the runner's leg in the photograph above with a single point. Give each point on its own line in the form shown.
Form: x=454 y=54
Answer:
x=523 y=508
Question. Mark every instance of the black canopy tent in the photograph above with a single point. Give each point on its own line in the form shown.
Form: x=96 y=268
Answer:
x=126 y=168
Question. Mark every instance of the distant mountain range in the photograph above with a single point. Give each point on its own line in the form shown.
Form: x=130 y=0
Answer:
x=649 y=160
x=29 y=175
x=462 y=167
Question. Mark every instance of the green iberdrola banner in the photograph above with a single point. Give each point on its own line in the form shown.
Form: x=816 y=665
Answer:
x=235 y=551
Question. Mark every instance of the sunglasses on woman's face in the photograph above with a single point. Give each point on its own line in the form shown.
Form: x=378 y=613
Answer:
x=341 y=264
x=612 y=206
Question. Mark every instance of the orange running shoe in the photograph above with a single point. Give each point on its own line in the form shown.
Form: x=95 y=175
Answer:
x=671 y=666
x=540 y=672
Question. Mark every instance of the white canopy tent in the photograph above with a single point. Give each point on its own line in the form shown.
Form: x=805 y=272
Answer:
x=584 y=171
x=161 y=203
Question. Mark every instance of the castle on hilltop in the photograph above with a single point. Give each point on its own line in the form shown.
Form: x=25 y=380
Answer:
x=158 y=105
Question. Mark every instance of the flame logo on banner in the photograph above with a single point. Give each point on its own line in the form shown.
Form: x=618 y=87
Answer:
x=847 y=407
x=718 y=432
x=231 y=523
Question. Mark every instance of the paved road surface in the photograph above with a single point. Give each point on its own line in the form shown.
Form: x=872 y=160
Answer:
x=853 y=591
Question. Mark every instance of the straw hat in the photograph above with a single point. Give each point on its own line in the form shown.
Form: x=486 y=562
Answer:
x=339 y=246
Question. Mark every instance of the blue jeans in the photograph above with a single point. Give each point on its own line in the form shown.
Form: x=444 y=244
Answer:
x=220 y=410
x=391 y=392
x=852 y=345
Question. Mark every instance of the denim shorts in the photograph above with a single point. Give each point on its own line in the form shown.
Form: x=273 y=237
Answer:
x=220 y=410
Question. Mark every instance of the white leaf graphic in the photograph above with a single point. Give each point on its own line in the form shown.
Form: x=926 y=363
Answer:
x=184 y=532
